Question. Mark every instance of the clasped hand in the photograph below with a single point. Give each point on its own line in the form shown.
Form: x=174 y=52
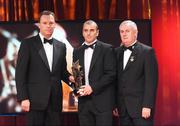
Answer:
x=85 y=90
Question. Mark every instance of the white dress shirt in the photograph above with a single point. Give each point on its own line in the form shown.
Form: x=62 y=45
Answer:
x=127 y=54
x=48 y=50
x=87 y=61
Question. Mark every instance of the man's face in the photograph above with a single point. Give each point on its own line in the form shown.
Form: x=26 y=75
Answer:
x=128 y=35
x=47 y=25
x=90 y=32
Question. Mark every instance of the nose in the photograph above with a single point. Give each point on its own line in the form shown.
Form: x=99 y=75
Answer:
x=88 y=32
x=48 y=25
x=124 y=34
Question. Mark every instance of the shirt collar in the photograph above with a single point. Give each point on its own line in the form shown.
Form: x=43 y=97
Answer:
x=89 y=43
x=133 y=43
x=42 y=37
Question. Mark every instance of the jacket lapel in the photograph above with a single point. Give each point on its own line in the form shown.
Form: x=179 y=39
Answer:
x=81 y=61
x=120 y=58
x=81 y=56
x=96 y=53
x=132 y=57
x=41 y=51
x=56 y=53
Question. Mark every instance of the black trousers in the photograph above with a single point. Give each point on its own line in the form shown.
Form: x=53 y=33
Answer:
x=48 y=117
x=90 y=116
x=127 y=120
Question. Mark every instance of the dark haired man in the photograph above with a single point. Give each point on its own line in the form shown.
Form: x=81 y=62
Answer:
x=41 y=66
x=99 y=66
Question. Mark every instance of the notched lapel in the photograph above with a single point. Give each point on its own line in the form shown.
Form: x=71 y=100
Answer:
x=57 y=50
x=120 y=58
x=81 y=58
x=96 y=53
x=38 y=45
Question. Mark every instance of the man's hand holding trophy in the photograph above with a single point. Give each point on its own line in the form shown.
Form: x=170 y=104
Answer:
x=79 y=88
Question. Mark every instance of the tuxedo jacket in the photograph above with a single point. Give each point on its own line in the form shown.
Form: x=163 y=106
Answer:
x=102 y=73
x=34 y=80
x=138 y=81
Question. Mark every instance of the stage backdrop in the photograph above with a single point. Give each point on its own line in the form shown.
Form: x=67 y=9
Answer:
x=69 y=32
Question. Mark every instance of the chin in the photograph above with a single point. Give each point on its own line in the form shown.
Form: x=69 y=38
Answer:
x=48 y=35
x=126 y=44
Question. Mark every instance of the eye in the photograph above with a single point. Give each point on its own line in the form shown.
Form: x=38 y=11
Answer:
x=92 y=30
x=51 y=23
x=85 y=30
x=44 y=23
x=121 y=31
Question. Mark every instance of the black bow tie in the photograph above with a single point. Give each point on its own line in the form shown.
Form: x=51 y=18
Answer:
x=130 y=48
x=89 y=46
x=50 y=41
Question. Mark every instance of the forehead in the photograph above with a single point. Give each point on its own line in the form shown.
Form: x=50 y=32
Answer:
x=89 y=26
x=47 y=18
x=126 y=26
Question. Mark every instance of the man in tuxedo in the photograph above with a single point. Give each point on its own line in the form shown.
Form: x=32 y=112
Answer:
x=137 y=78
x=97 y=61
x=41 y=65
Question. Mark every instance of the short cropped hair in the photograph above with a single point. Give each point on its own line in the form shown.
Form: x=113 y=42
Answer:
x=46 y=12
x=88 y=22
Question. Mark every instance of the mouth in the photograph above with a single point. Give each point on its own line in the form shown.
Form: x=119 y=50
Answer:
x=48 y=31
x=88 y=37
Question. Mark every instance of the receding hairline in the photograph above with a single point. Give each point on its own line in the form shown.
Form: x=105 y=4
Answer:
x=91 y=22
x=129 y=23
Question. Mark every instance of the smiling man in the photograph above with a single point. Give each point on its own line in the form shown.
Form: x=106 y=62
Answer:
x=137 y=78
x=97 y=60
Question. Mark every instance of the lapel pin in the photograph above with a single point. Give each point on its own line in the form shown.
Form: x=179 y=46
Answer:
x=132 y=58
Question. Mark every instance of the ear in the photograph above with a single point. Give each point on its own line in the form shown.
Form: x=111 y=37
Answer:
x=97 y=33
x=136 y=34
